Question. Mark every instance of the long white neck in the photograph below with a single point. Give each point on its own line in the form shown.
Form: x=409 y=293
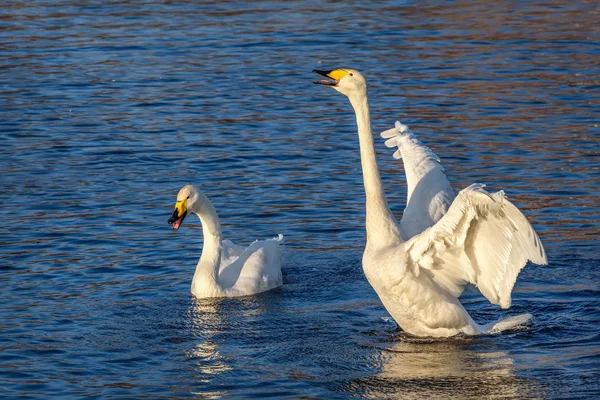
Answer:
x=207 y=270
x=381 y=225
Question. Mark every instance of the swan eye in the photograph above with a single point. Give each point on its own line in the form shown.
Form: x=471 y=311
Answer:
x=351 y=74
x=188 y=198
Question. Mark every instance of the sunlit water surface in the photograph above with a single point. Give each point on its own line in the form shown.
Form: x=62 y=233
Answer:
x=108 y=107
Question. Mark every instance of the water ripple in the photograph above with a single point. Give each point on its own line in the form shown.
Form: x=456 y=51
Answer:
x=109 y=107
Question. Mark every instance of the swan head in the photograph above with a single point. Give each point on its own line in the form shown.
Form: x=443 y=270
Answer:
x=347 y=81
x=188 y=200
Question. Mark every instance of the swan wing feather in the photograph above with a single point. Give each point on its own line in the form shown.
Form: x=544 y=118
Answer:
x=256 y=269
x=483 y=239
x=429 y=193
x=230 y=252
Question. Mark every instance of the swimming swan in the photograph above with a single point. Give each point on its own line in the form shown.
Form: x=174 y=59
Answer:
x=443 y=242
x=225 y=269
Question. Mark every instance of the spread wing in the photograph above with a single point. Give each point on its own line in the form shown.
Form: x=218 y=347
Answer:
x=429 y=192
x=483 y=239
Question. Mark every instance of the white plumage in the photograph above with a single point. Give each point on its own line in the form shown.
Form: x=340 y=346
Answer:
x=429 y=193
x=226 y=269
x=420 y=266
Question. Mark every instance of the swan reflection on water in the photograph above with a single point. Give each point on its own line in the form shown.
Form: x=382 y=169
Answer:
x=421 y=368
x=402 y=366
x=205 y=322
x=211 y=321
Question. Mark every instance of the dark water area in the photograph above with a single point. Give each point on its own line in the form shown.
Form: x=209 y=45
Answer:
x=107 y=108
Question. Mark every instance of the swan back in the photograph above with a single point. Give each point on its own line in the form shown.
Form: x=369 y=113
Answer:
x=257 y=269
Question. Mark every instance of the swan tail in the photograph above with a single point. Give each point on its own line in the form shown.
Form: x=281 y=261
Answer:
x=280 y=241
x=506 y=324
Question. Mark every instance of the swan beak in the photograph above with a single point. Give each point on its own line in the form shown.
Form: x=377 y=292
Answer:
x=336 y=75
x=179 y=214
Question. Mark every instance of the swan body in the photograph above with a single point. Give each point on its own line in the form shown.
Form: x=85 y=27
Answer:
x=420 y=266
x=226 y=269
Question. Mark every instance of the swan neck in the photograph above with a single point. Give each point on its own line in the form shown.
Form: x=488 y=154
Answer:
x=207 y=270
x=381 y=225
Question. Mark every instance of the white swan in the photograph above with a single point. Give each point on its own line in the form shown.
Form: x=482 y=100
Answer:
x=224 y=269
x=419 y=267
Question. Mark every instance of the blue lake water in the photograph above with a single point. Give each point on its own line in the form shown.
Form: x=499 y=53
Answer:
x=107 y=108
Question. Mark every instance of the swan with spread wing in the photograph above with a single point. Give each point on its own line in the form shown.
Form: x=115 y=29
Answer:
x=443 y=242
x=226 y=269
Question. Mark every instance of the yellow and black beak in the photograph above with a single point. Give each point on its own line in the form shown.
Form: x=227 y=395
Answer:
x=179 y=214
x=335 y=75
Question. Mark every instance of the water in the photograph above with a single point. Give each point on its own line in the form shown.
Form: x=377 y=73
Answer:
x=109 y=107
